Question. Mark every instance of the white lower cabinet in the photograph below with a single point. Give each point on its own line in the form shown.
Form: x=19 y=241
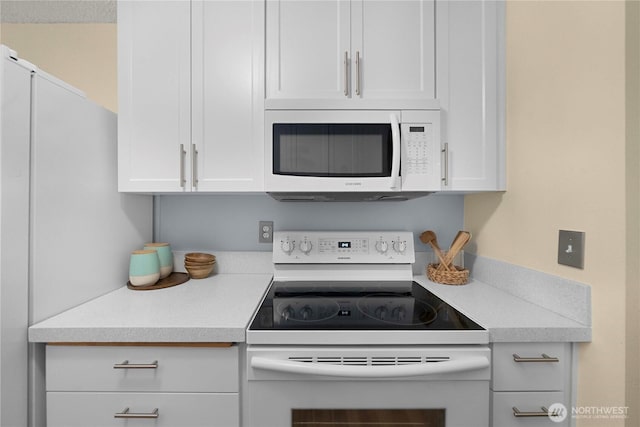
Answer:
x=71 y=409
x=140 y=386
x=528 y=381
x=530 y=405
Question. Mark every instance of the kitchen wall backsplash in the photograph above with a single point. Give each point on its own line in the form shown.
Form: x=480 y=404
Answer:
x=230 y=222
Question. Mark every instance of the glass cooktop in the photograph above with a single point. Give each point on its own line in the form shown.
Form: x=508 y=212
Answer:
x=353 y=305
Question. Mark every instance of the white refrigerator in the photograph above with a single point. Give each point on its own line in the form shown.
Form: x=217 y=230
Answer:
x=65 y=231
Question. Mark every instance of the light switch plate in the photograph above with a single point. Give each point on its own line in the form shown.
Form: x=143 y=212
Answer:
x=571 y=248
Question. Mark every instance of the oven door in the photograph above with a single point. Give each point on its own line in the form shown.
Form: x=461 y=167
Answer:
x=329 y=151
x=367 y=386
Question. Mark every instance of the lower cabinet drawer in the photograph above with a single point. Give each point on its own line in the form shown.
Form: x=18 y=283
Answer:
x=142 y=369
x=525 y=409
x=529 y=366
x=67 y=409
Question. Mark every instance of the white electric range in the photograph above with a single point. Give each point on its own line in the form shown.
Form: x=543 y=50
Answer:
x=344 y=336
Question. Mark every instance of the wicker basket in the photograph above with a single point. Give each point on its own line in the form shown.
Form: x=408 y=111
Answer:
x=459 y=276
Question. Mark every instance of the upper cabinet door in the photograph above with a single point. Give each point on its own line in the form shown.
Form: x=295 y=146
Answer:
x=154 y=94
x=228 y=96
x=350 y=50
x=471 y=78
x=307 y=43
x=393 y=49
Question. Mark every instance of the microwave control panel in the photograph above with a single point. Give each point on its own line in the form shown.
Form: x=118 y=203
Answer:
x=418 y=141
x=420 y=154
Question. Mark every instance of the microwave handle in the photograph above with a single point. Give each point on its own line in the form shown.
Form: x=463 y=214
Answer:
x=395 y=160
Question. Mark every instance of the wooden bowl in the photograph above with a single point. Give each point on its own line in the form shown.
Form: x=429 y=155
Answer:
x=199 y=272
x=198 y=263
x=199 y=257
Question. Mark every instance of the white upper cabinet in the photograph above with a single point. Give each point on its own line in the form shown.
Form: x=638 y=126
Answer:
x=154 y=94
x=350 y=51
x=196 y=75
x=393 y=49
x=307 y=43
x=228 y=95
x=471 y=78
x=191 y=95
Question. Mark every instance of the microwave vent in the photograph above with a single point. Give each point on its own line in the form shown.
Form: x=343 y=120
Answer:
x=348 y=196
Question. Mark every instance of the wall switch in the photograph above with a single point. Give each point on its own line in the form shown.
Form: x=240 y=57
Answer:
x=265 y=231
x=571 y=248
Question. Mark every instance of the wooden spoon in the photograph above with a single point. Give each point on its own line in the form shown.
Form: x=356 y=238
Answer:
x=429 y=238
x=461 y=239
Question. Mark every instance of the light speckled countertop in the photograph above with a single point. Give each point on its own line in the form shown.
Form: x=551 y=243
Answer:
x=219 y=308
x=215 y=309
x=507 y=317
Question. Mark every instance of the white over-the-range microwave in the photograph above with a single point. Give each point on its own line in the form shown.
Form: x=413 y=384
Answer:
x=341 y=155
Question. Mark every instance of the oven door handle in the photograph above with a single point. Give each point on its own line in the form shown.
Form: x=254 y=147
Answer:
x=470 y=363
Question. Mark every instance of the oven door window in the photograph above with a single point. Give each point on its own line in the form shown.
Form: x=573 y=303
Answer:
x=332 y=150
x=368 y=417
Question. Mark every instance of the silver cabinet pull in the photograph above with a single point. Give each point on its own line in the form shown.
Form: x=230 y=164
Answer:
x=194 y=166
x=183 y=181
x=519 y=414
x=126 y=414
x=445 y=152
x=544 y=358
x=126 y=365
x=346 y=73
x=358 y=73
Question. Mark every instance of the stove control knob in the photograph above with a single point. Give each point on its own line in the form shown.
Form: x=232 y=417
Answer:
x=306 y=312
x=287 y=313
x=382 y=246
x=398 y=313
x=399 y=246
x=287 y=246
x=381 y=312
x=305 y=247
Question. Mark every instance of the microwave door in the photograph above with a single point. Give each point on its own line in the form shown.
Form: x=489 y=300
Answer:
x=336 y=157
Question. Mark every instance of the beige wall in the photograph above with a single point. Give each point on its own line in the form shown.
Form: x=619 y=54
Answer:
x=566 y=147
x=633 y=207
x=83 y=55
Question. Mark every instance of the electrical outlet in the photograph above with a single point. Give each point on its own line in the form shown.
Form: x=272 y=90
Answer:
x=571 y=248
x=265 y=231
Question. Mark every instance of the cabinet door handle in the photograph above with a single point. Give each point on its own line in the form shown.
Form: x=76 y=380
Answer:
x=183 y=181
x=126 y=414
x=358 y=73
x=126 y=365
x=194 y=166
x=346 y=73
x=544 y=358
x=518 y=414
x=445 y=161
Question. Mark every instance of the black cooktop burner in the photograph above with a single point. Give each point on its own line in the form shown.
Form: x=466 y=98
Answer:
x=352 y=305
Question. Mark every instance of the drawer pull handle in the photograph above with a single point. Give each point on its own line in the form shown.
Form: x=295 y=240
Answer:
x=544 y=358
x=126 y=365
x=126 y=414
x=518 y=414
